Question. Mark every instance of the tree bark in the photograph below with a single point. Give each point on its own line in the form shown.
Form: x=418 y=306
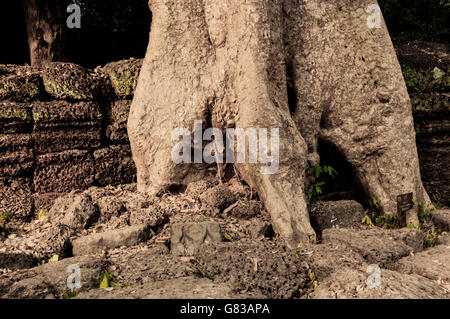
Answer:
x=312 y=68
x=44 y=20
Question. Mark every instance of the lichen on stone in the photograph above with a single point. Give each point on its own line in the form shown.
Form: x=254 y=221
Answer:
x=124 y=76
x=21 y=87
x=9 y=111
x=70 y=81
x=422 y=80
x=430 y=102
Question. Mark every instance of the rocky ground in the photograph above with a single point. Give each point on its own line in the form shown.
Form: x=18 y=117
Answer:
x=64 y=128
x=214 y=241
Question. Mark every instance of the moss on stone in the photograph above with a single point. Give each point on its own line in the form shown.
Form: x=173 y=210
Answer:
x=41 y=116
x=120 y=116
x=66 y=111
x=10 y=112
x=69 y=81
x=124 y=76
x=423 y=80
x=21 y=87
x=65 y=90
x=430 y=102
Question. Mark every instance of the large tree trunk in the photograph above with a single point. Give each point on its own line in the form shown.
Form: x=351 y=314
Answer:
x=44 y=20
x=309 y=67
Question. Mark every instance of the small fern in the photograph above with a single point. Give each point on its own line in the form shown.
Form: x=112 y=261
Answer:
x=316 y=188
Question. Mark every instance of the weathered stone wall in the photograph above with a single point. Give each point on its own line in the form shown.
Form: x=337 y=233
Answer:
x=426 y=69
x=63 y=128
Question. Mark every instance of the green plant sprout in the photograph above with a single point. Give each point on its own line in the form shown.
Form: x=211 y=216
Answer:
x=316 y=172
x=108 y=281
x=376 y=218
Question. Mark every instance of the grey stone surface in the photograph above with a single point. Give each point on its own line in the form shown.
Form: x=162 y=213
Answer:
x=155 y=263
x=441 y=218
x=110 y=206
x=412 y=237
x=190 y=287
x=50 y=280
x=376 y=245
x=81 y=213
x=186 y=238
x=54 y=240
x=348 y=283
x=325 y=259
x=43 y=242
x=124 y=75
x=155 y=273
x=70 y=81
x=246 y=209
x=16 y=196
x=259 y=229
x=96 y=243
x=14 y=261
x=75 y=211
x=195 y=189
x=152 y=216
x=335 y=214
x=433 y=263
x=218 y=197
x=444 y=239
x=262 y=267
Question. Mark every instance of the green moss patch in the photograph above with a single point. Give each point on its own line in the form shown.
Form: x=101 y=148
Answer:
x=430 y=102
x=69 y=81
x=10 y=111
x=124 y=76
x=21 y=87
x=65 y=111
x=425 y=81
